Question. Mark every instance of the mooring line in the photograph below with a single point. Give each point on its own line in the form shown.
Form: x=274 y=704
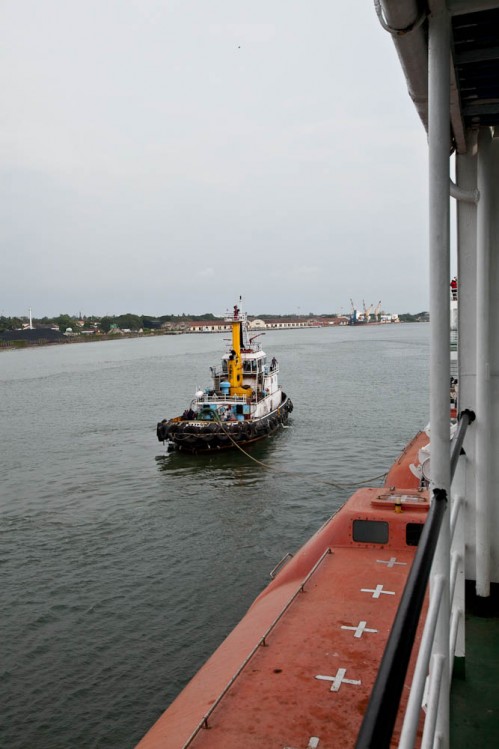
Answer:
x=296 y=473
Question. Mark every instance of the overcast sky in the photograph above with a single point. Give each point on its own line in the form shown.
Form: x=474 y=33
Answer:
x=167 y=156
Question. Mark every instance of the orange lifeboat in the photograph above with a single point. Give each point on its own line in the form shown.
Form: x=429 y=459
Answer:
x=400 y=474
x=297 y=671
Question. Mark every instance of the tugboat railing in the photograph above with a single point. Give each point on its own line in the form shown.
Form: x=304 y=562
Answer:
x=267 y=369
x=229 y=400
x=379 y=720
x=221 y=399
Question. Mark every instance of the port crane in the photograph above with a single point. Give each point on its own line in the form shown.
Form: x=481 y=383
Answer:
x=353 y=318
x=367 y=311
x=377 y=311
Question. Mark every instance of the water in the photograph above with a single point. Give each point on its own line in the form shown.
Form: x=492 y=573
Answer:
x=121 y=569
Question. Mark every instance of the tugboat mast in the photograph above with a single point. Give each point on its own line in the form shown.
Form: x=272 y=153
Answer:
x=235 y=364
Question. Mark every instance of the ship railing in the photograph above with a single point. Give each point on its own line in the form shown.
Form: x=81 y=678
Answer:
x=265 y=370
x=236 y=316
x=381 y=713
x=220 y=399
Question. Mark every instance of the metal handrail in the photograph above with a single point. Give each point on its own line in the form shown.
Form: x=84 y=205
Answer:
x=466 y=418
x=379 y=720
x=457 y=505
x=436 y=669
x=280 y=564
x=456 y=618
x=205 y=398
x=266 y=370
x=411 y=720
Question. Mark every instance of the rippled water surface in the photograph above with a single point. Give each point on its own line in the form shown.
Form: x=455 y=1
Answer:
x=121 y=568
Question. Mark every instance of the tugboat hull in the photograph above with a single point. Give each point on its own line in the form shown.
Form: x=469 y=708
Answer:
x=196 y=436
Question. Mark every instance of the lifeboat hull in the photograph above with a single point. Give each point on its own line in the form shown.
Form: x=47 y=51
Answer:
x=298 y=669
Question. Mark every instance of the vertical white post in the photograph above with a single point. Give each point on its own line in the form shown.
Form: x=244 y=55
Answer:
x=483 y=432
x=466 y=168
x=458 y=493
x=439 y=215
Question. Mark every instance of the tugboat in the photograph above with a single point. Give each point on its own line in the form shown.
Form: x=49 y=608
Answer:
x=244 y=404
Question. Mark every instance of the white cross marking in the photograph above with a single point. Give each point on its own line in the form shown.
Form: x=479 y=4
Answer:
x=377 y=591
x=359 y=629
x=312 y=744
x=338 y=680
x=391 y=562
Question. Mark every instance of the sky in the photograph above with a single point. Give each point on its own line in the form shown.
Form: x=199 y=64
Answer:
x=169 y=156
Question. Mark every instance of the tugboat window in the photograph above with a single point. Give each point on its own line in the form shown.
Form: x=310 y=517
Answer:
x=370 y=531
x=413 y=533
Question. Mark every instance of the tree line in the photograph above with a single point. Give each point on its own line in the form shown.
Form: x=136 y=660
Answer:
x=127 y=321
x=133 y=322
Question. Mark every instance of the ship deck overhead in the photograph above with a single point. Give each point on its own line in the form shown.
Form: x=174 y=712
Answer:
x=474 y=74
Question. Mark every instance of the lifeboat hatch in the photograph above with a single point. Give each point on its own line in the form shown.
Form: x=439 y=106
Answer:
x=401 y=501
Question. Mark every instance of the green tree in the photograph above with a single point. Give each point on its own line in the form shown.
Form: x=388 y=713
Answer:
x=64 y=322
x=129 y=321
x=106 y=323
x=10 y=323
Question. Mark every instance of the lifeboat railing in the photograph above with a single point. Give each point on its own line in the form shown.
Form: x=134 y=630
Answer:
x=382 y=710
x=262 y=642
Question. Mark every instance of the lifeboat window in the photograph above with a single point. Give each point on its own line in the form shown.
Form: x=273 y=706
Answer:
x=413 y=533
x=370 y=531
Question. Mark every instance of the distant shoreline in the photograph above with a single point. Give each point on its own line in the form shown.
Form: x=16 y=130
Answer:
x=20 y=344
